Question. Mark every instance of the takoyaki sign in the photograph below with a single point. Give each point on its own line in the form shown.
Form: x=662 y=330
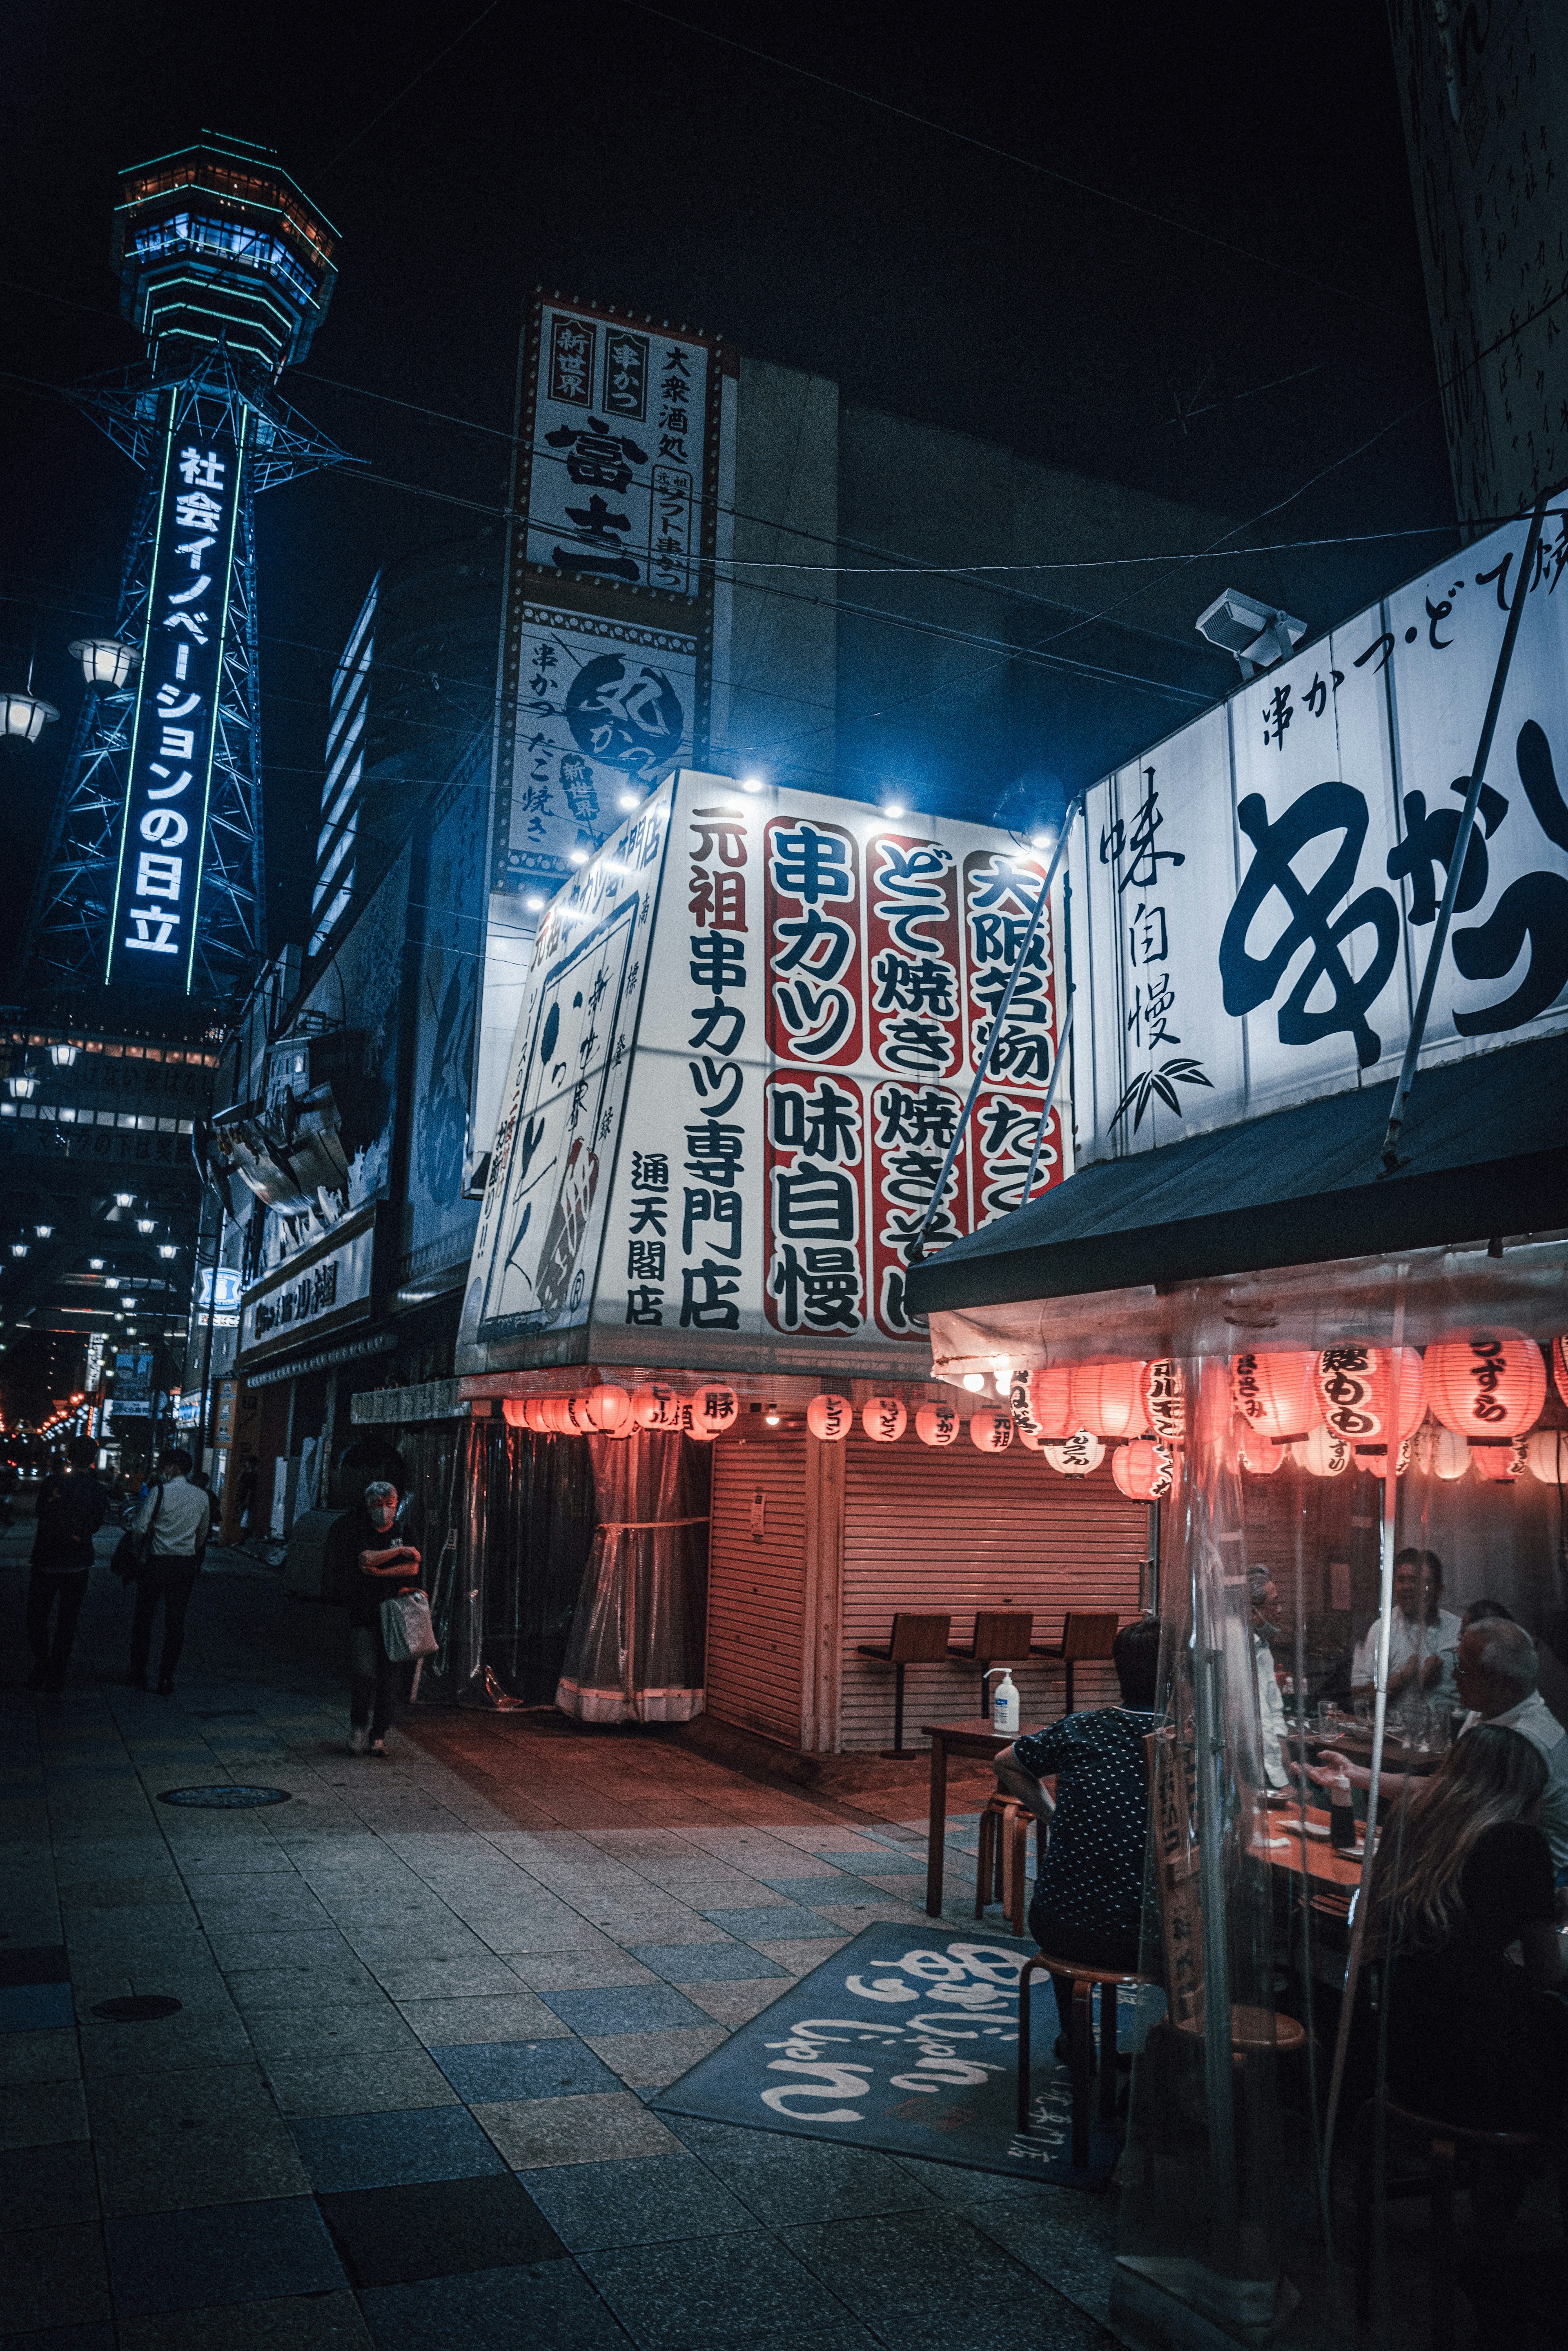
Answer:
x=745 y=1046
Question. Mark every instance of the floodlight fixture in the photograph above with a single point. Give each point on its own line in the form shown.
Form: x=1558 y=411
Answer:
x=751 y=783
x=1259 y=635
x=125 y=1200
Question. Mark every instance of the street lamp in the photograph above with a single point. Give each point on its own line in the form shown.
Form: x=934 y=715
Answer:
x=105 y=662
x=96 y=1263
x=44 y=1231
x=23 y=1085
x=125 y=1200
x=167 y=1249
x=25 y=715
x=18 y=1249
x=63 y=1055
x=146 y=1224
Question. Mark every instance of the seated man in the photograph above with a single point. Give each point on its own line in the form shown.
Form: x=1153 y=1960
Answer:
x=1089 y=1896
x=1423 y=1637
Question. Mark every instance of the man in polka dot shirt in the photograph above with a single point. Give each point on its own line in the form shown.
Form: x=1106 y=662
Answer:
x=1089 y=1896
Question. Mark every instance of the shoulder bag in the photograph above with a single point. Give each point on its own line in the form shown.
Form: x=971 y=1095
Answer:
x=131 y=1552
x=406 y=1628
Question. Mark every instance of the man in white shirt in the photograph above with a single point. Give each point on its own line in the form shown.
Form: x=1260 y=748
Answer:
x=176 y=1520
x=1497 y=1675
x=1265 y=1598
x=1423 y=1637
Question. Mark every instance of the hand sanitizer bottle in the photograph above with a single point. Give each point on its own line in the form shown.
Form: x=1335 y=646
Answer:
x=1005 y=1708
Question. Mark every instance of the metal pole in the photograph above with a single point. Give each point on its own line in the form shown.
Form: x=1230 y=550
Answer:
x=1462 y=843
x=1073 y=807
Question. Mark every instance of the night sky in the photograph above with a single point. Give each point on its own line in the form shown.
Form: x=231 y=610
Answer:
x=619 y=153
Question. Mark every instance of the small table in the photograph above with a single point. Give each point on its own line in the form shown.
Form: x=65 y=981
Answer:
x=1353 y=1742
x=969 y=1737
x=1312 y=1857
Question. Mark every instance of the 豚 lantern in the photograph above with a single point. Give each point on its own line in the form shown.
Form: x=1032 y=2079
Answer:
x=1078 y=1456
x=1165 y=1402
x=830 y=1417
x=991 y=1432
x=1370 y=1395
x=715 y=1408
x=883 y=1419
x=1276 y=1393
x=1321 y=1453
x=938 y=1424
x=657 y=1404
x=1108 y=1397
x=1050 y=1401
x=1142 y=1470
x=1486 y=1384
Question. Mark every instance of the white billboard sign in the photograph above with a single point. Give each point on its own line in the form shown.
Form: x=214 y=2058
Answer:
x=745 y=1041
x=1253 y=899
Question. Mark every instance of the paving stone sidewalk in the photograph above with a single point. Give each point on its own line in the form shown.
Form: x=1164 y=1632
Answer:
x=423 y=2007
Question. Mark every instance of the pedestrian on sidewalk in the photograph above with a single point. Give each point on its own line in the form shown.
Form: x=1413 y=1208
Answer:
x=366 y=1565
x=72 y=1506
x=176 y=1521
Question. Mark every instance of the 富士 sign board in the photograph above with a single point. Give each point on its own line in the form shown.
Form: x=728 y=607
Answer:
x=174 y=733
x=1252 y=900
x=746 y=1040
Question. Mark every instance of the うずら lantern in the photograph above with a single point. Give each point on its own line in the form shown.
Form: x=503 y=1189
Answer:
x=1142 y=1470
x=883 y=1419
x=1108 y=1397
x=1078 y=1456
x=1486 y=1384
x=657 y=1404
x=1165 y=1402
x=1322 y=1454
x=830 y=1417
x=1277 y=1394
x=1372 y=1395
x=991 y=1432
x=1260 y=1455
x=938 y=1424
x=1501 y=1463
x=1051 y=1402
x=715 y=1408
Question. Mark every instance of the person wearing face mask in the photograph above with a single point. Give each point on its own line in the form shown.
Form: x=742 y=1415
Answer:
x=366 y=1562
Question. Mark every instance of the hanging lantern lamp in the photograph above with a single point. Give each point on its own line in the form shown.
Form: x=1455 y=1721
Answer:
x=1439 y=1452
x=830 y=1417
x=991 y=1432
x=1142 y=1470
x=514 y=1411
x=1486 y=1384
x=1560 y=1365
x=883 y=1419
x=1165 y=1402
x=939 y=1423
x=1322 y=1454
x=1108 y=1397
x=1017 y=1399
x=1546 y=1456
x=1051 y=1402
x=1370 y=1395
x=715 y=1409
x=1260 y=1455
x=25 y=715
x=1078 y=1456
x=1277 y=1394
x=657 y=1405
x=1501 y=1463
x=105 y=662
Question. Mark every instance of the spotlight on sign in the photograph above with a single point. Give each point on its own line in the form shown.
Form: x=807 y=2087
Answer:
x=1257 y=634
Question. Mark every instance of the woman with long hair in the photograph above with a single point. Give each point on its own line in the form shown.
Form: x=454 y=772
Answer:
x=1463 y=1874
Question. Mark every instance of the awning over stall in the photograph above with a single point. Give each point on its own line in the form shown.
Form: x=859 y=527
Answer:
x=1484 y=1153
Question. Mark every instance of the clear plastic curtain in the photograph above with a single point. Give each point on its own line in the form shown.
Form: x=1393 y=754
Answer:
x=637 y=1645
x=516 y=1529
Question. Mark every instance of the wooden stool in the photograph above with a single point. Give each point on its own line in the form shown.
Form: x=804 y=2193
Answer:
x=1004 y=1851
x=1001 y=1638
x=917 y=1641
x=1079 y=2040
x=1086 y=1634
x=1447 y=2145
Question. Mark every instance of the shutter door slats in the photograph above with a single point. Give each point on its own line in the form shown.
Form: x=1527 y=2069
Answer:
x=757 y=1590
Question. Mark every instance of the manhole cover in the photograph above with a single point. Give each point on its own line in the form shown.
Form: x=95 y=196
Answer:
x=140 y=2008
x=225 y=1798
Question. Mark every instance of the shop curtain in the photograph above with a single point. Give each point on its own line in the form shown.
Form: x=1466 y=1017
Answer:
x=504 y=1577
x=636 y=1650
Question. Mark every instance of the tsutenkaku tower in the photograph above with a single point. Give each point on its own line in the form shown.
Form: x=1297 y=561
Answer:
x=153 y=877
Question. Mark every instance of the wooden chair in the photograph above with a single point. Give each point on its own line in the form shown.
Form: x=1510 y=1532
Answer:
x=1079 y=2042
x=1001 y=1638
x=1004 y=1851
x=917 y=1641
x=1087 y=1635
x=1454 y=2158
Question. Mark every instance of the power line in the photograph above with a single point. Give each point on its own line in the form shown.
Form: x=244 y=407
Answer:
x=428 y=67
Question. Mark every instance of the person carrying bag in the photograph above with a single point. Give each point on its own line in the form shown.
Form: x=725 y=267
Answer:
x=389 y=1617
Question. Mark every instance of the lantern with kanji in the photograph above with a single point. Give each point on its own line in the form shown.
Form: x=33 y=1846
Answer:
x=1260 y=1456
x=991 y=1432
x=1560 y=1365
x=1501 y=1463
x=1277 y=1394
x=1486 y=1384
x=715 y=1409
x=1108 y=1397
x=1051 y=1402
x=514 y=1411
x=1165 y=1402
x=1322 y=1454
x=1078 y=1456
x=1546 y=1456
x=1372 y=1395
x=937 y=1423
x=1142 y=1470
x=1017 y=1398
x=601 y=1411
x=883 y=1419
x=830 y=1417
x=657 y=1405
x=1439 y=1452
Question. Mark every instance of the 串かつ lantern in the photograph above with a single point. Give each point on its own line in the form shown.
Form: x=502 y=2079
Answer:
x=1142 y=1470
x=1050 y=1401
x=1546 y=1456
x=1501 y=1463
x=657 y=1405
x=1487 y=1383
x=1078 y=1456
x=883 y=1419
x=1165 y=1402
x=830 y=1417
x=1372 y=1395
x=1108 y=1397
x=991 y=1432
x=1260 y=1455
x=714 y=1409
x=1321 y=1453
x=1278 y=1395
x=937 y=1423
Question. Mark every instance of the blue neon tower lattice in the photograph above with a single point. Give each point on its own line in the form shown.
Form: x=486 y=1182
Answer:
x=152 y=878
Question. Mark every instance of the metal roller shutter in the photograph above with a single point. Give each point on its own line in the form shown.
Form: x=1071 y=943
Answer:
x=757 y=1587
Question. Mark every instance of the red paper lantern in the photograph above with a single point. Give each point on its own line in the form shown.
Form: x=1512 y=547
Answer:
x=715 y=1409
x=883 y=1419
x=1560 y=1365
x=939 y=1423
x=1165 y=1402
x=1051 y=1402
x=991 y=1432
x=657 y=1405
x=514 y=1411
x=1370 y=1397
x=1030 y=1439
x=1487 y=1383
x=830 y=1417
x=1260 y=1455
x=1440 y=1453
x=1501 y=1463
x=1108 y=1397
x=1078 y=1456
x=1017 y=1398
x=1277 y=1394
x=1144 y=1470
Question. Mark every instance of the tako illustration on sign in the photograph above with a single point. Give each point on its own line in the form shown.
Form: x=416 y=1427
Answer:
x=1253 y=899
x=744 y=1051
